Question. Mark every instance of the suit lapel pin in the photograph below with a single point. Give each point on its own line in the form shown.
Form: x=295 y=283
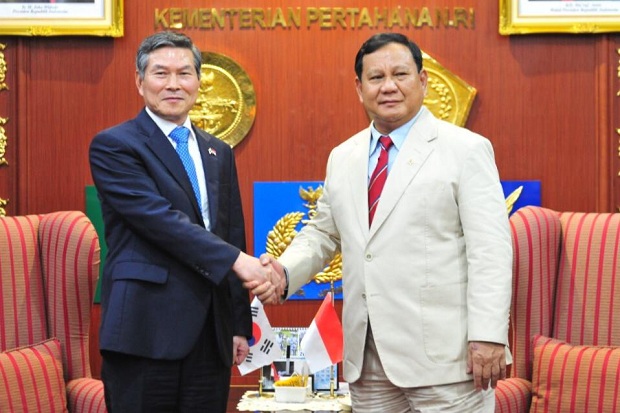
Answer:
x=410 y=162
x=212 y=152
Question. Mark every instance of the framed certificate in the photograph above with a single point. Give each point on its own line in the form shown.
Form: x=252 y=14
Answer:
x=558 y=16
x=61 y=17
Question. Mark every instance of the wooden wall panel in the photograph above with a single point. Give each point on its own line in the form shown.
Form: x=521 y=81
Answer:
x=8 y=128
x=547 y=102
x=612 y=123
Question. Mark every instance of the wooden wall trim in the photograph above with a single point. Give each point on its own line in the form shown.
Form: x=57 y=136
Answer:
x=614 y=105
x=8 y=97
x=603 y=129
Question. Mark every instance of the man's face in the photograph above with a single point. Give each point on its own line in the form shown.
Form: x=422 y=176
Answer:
x=170 y=85
x=391 y=89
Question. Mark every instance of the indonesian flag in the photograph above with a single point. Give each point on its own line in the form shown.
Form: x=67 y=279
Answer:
x=263 y=349
x=322 y=344
x=274 y=373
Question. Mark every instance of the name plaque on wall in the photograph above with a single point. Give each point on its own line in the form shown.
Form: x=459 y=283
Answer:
x=258 y=18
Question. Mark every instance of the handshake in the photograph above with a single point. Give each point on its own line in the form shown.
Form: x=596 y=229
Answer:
x=263 y=276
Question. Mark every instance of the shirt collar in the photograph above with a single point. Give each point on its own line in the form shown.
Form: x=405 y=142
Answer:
x=166 y=126
x=398 y=135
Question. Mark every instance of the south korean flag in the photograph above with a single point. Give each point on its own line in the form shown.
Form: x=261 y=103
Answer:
x=263 y=349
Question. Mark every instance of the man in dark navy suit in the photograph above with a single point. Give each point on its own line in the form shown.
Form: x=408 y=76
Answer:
x=175 y=316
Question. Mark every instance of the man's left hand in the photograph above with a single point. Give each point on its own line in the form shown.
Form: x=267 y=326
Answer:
x=487 y=362
x=240 y=349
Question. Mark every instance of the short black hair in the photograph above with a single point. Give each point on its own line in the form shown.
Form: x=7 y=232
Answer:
x=379 y=40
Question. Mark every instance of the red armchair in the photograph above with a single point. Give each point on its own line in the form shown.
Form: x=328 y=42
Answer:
x=49 y=266
x=565 y=314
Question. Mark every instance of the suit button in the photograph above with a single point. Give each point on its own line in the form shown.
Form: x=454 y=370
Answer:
x=368 y=256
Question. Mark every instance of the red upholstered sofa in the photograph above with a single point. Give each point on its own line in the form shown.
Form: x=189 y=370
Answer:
x=565 y=314
x=49 y=266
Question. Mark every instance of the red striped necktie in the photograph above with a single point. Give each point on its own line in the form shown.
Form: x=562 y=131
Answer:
x=378 y=177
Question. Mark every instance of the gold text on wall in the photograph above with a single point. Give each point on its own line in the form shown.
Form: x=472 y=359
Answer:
x=326 y=18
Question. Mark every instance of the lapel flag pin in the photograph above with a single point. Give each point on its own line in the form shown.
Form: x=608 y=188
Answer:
x=212 y=152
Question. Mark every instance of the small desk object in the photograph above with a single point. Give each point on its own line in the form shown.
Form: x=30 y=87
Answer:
x=252 y=401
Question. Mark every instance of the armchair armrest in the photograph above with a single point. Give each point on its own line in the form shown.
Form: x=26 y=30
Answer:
x=85 y=395
x=513 y=395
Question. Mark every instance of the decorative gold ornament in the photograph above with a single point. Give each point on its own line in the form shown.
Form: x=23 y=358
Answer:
x=3 y=68
x=3 y=203
x=3 y=140
x=226 y=104
x=280 y=237
x=618 y=70
x=448 y=96
x=512 y=198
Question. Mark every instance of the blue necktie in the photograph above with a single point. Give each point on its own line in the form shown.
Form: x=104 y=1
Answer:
x=180 y=135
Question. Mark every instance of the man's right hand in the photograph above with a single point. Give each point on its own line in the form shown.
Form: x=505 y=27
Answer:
x=257 y=278
x=278 y=275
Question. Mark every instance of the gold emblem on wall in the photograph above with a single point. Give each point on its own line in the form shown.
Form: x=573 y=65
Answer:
x=226 y=104
x=448 y=96
x=3 y=69
x=280 y=237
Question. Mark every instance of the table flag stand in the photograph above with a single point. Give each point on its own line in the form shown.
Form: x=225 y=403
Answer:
x=332 y=380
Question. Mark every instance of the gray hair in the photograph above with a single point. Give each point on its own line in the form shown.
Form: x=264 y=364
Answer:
x=165 y=39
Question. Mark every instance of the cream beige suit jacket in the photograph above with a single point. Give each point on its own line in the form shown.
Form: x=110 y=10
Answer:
x=433 y=271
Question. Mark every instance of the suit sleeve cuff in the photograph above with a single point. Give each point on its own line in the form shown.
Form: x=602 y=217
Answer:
x=285 y=294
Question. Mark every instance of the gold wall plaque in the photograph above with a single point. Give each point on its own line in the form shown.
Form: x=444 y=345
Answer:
x=448 y=96
x=226 y=104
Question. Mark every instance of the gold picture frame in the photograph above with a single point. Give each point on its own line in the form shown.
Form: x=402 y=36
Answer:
x=558 y=16
x=61 y=18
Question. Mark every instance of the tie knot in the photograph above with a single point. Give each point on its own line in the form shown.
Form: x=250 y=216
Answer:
x=180 y=134
x=385 y=142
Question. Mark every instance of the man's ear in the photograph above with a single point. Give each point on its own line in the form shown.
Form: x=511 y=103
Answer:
x=423 y=79
x=139 y=83
x=358 y=89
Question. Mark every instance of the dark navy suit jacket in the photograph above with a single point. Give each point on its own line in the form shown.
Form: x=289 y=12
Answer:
x=164 y=272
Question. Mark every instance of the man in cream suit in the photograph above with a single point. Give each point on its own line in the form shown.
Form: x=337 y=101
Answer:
x=427 y=284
